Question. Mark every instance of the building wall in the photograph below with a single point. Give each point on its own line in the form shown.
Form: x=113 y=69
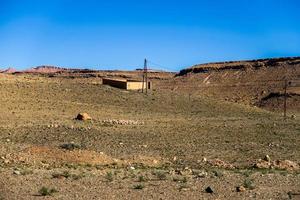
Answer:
x=115 y=83
x=127 y=85
x=135 y=85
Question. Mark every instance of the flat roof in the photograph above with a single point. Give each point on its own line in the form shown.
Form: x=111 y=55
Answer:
x=122 y=80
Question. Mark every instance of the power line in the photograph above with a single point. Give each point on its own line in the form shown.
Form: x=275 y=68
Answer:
x=161 y=66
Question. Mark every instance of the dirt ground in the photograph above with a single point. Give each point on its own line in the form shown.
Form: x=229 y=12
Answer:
x=164 y=145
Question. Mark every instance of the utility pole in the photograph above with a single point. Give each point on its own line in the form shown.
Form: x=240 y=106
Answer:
x=285 y=97
x=145 y=77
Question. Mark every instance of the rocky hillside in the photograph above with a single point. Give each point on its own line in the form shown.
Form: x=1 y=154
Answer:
x=241 y=65
x=249 y=82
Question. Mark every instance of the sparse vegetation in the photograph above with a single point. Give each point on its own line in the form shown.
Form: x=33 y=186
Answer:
x=160 y=174
x=218 y=173
x=44 y=191
x=70 y=146
x=249 y=184
x=247 y=173
x=142 y=178
x=181 y=179
x=67 y=174
x=109 y=176
x=139 y=187
x=164 y=153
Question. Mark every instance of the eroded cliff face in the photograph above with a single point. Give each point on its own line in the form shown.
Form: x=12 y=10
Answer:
x=241 y=65
x=248 y=82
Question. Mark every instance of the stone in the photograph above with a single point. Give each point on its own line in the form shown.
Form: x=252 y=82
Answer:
x=199 y=173
x=267 y=158
x=122 y=122
x=83 y=117
x=220 y=164
x=240 y=189
x=277 y=164
x=209 y=190
x=286 y=165
x=262 y=164
x=17 y=172
x=155 y=162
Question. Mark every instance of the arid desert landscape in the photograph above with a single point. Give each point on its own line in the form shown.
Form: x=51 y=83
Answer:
x=212 y=131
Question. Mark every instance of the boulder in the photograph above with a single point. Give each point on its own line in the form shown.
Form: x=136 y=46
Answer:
x=83 y=117
x=209 y=190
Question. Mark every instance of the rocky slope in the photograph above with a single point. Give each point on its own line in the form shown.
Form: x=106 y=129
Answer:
x=249 y=82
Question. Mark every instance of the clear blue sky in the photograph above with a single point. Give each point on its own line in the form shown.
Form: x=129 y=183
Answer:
x=119 y=34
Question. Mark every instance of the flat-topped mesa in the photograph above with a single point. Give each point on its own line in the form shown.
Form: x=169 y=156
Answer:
x=240 y=65
x=45 y=69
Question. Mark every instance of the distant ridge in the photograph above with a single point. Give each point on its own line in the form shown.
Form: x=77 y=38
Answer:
x=9 y=70
x=240 y=65
x=45 y=69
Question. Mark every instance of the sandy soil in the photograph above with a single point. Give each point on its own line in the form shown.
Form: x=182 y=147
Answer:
x=182 y=145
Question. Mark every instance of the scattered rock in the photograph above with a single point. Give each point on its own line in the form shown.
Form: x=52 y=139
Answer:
x=240 y=189
x=293 y=116
x=209 y=190
x=277 y=164
x=155 y=162
x=262 y=164
x=267 y=158
x=199 y=173
x=17 y=172
x=122 y=122
x=83 y=117
x=220 y=164
x=185 y=172
x=143 y=146
x=286 y=165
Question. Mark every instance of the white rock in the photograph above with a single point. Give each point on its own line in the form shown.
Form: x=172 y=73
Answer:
x=17 y=172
